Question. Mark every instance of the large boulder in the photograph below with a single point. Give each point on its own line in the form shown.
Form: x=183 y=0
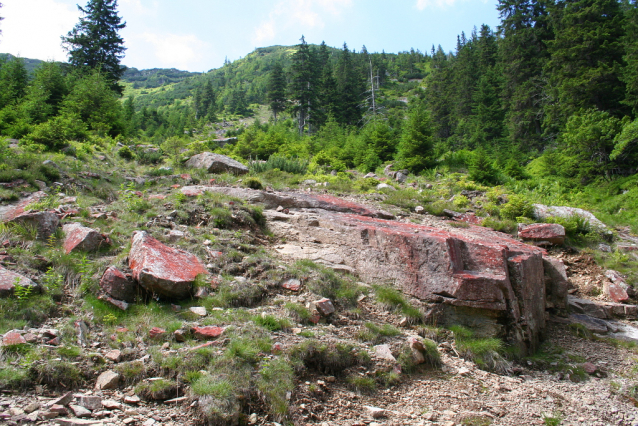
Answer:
x=472 y=276
x=81 y=238
x=163 y=270
x=216 y=163
x=552 y=233
x=8 y=280
x=542 y=211
x=45 y=222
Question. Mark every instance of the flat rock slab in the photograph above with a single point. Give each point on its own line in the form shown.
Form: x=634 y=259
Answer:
x=551 y=232
x=81 y=238
x=163 y=270
x=8 y=280
x=289 y=200
x=216 y=163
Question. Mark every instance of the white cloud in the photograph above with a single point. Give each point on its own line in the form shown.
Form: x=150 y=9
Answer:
x=183 y=51
x=423 y=4
x=303 y=14
x=32 y=28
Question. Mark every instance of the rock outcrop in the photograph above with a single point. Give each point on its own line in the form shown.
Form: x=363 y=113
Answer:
x=216 y=163
x=163 y=270
x=542 y=211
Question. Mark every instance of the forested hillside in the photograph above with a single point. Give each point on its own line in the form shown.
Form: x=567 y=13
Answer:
x=551 y=94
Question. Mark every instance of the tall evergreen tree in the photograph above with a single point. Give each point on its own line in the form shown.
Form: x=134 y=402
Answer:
x=350 y=89
x=630 y=71
x=303 y=88
x=208 y=102
x=523 y=54
x=13 y=81
x=277 y=90
x=94 y=42
x=586 y=57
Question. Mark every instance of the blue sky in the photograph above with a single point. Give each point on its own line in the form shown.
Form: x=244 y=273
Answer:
x=196 y=35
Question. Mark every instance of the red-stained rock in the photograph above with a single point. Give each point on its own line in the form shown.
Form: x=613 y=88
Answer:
x=161 y=269
x=589 y=368
x=615 y=292
x=324 y=306
x=477 y=277
x=81 y=238
x=292 y=284
x=45 y=222
x=207 y=332
x=120 y=304
x=550 y=232
x=156 y=332
x=8 y=281
x=115 y=284
x=11 y=339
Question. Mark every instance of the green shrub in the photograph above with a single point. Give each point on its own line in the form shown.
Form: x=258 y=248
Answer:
x=327 y=358
x=279 y=162
x=361 y=384
x=253 y=183
x=55 y=133
x=126 y=153
x=275 y=380
x=515 y=207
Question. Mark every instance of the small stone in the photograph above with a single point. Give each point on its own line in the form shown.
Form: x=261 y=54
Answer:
x=292 y=284
x=63 y=400
x=80 y=411
x=16 y=411
x=374 y=412
x=133 y=399
x=176 y=400
x=78 y=422
x=419 y=209
x=32 y=407
x=207 y=332
x=156 y=332
x=128 y=420
x=48 y=415
x=201 y=292
x=180 y=335
x=92 y=403
x=12 y=339
x=384 y=352
x=463 y=371
x=590 y=368
x=114 y=355
x=199 y=310
x=324 y=306
x=57 y=408
x=107 y=380
x=110 y=404
x=149 y=422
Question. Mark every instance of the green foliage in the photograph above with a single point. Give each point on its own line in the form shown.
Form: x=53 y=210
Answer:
x=253 y=183
x=394 y=299
x=481 y=169
x=275 y=380
x=55 y=134
x=517 y=206
x=485 y=352
x=327 y=358
x=554 y=419
x=361 y=384
x=279 y=162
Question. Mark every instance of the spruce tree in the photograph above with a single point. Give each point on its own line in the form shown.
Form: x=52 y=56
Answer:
x=303 y=89
x=350 y=88
x=523 y=54
x=277 y=90
x=630 y=72
x=586 y=58
x=94 y=42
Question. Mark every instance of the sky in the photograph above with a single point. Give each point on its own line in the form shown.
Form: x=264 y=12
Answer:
x=198 y=35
